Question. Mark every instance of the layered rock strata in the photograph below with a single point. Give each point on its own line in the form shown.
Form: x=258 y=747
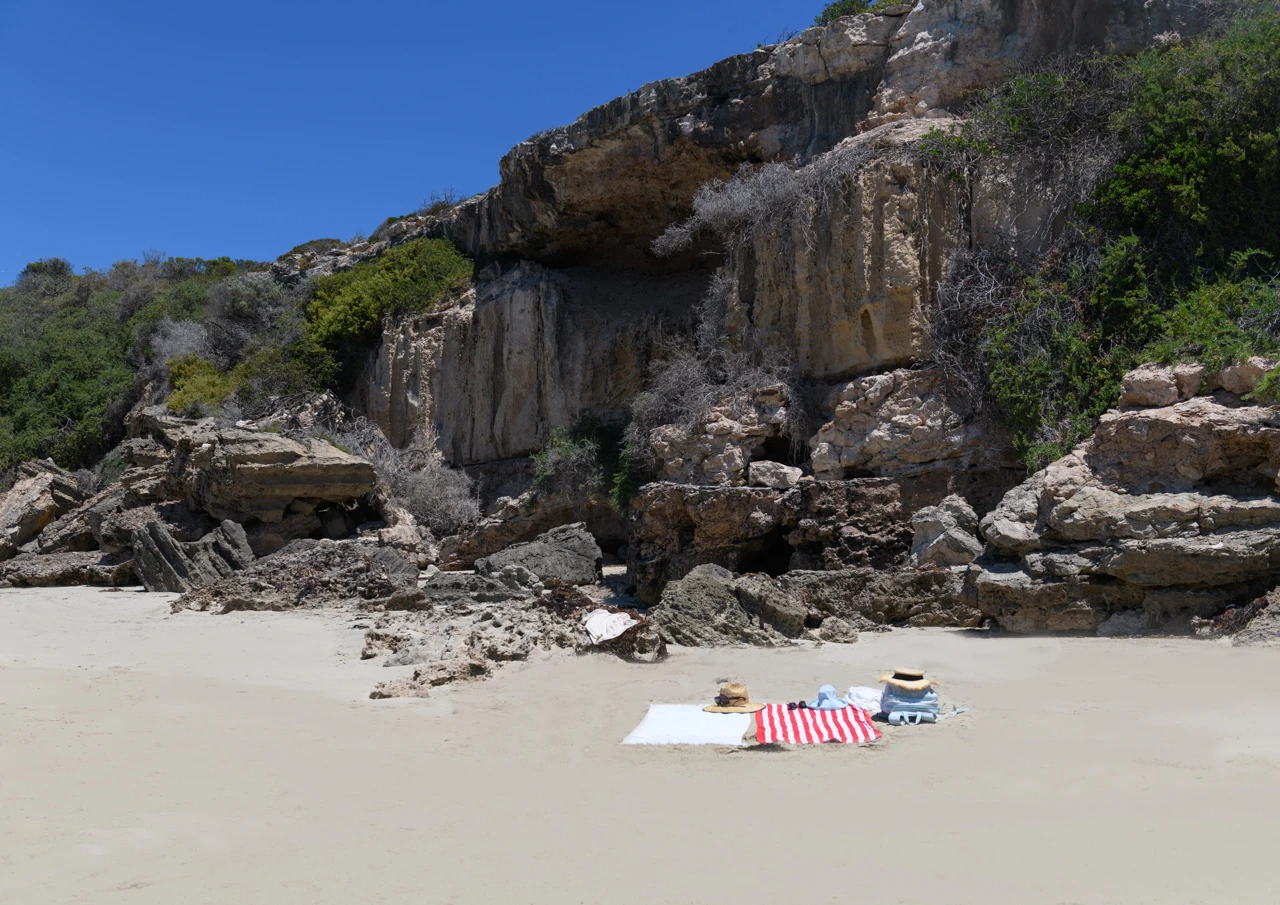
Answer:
x=1164 y=515
x=815 y=525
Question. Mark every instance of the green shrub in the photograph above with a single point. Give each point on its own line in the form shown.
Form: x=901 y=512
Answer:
x=1200 y=175
x=1053 y=361
x=581 y=460
x=1174 y=157
x=347 y=309
x=314 y=247
x=1221 y=322
x=199 y=388
x=834 y=11
x=273 y=369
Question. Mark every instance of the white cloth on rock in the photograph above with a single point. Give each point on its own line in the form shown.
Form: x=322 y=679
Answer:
x=601 y=625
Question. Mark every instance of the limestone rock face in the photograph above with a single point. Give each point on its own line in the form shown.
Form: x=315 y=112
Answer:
x=843 y=285
x=163 y=563
x=515 y=520
x=564 y=555
x=42 y=492
x=114 y=530
x=719 y=449
x=876 y=597
x=944 y=534
x=528 y=352
x=56 y=569
x=773 y=474
x=901 y=423
x=707 y=609
x=1171 y=512
x=815 y=525
x=306 y=573
x=242 y=474
x=616 y=177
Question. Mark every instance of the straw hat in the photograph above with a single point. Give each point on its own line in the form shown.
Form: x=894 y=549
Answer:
x=733 y=698
x=908 y=680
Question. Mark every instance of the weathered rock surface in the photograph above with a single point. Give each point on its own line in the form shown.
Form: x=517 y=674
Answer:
x=815 y=525
x=114 y=531
x=306 y=573
x=710 y=607
x=773 y=474
x=41 y=493
x=1171 y=512
x=944 y=534
x=164 y=563
x=457 y=638
x=527 y=352
x=878 y=597
x=73 y=532
x=55 y=569
x=564 y=555
x=1264 y=627
x=625 y=170
x=516 y=520
x=720 y=448
x=901 y=423
x=242 y=474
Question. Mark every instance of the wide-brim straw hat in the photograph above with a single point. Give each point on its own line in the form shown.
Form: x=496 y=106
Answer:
x=733 y=698
x=908 y=680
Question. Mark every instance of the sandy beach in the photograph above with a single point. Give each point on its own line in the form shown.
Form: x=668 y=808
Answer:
x=150 y=758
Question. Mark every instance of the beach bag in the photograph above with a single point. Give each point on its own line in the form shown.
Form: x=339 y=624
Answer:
x=898 y=700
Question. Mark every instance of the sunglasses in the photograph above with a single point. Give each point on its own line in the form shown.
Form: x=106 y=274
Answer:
x=799 y=705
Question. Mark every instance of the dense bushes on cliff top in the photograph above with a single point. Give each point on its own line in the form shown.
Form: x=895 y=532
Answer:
x=834 y=11
x=70 y=347
x=76 y=349
x=347 y=308
x=1174 y=161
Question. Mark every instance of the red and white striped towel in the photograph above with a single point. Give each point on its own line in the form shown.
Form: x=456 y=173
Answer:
x=849 y=725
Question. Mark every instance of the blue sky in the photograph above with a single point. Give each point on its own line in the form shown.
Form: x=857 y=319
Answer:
x=204 y=129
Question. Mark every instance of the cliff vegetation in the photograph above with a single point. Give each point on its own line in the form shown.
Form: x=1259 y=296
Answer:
x=1173 y=162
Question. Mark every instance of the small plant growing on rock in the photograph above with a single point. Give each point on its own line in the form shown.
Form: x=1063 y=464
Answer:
x=834 y=11
x=199 y=388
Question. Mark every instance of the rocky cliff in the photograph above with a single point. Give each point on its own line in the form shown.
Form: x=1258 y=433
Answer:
x=571 y=297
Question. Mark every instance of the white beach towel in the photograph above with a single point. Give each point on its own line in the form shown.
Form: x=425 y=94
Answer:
x=866 y=698
x=688 y=724
x=601 y=625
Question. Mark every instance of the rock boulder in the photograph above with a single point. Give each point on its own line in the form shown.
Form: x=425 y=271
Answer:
x=164 y=563
x=42 y=492
x=564 y=555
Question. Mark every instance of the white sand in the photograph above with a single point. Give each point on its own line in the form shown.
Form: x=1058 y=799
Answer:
x=148 y=758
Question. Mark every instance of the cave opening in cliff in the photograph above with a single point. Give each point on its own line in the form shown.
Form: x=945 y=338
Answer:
x=770 y=554
x=781 y=449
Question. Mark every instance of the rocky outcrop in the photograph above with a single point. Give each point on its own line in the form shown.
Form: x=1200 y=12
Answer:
x=711 y=607
x=164 y=563
x=566 y=555
x=306 y=573
x=1165 y=514
x=901 y=423
x=41 y=493
x=527 y=352
x=57 y=569
x=880 y=597
x=516 y=520
x=719 y=448
x=815 y=525
x=616 y=177
x=244 y=474
x=944 y=534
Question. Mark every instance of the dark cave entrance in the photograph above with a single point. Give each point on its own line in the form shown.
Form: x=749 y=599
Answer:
x=778 y=449
x=770 y=554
